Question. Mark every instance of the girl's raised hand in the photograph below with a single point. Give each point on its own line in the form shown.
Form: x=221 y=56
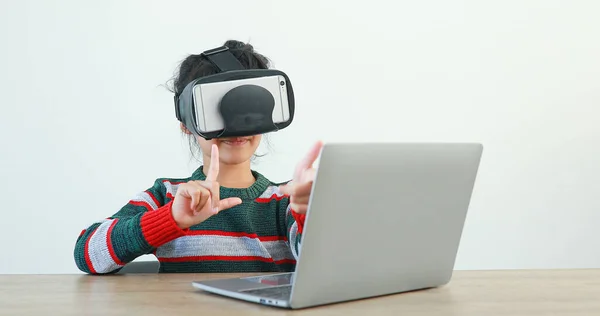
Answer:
x=196 y=201
x=301 y=185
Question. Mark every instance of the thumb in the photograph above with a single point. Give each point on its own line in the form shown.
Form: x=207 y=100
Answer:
x=229 y=203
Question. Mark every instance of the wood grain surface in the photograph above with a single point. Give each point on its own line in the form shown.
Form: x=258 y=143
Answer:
x=489 y=293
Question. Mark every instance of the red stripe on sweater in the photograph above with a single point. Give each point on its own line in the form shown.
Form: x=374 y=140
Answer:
x=153 y=198
x=299 y=220
x=234 y=234
x=226 y=258
x=273 y=197
x=170 y=196
x=86 y=252
x=111 y=250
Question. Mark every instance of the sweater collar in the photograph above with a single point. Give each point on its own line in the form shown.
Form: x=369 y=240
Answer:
x=259 y=186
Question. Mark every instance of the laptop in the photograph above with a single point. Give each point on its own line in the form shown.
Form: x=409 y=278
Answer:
x=383 y=218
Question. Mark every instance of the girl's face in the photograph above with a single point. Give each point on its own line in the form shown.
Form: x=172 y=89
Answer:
x=232 y=151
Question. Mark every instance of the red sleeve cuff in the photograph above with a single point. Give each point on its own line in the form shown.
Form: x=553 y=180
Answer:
x=299 y=220
x=159 y=227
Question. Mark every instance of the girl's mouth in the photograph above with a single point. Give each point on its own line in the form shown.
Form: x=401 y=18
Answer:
x=237 y=141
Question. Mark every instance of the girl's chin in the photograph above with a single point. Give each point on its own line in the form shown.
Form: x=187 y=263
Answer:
x=235 y=157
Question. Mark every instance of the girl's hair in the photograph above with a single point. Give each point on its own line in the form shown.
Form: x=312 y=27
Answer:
x=196 y=66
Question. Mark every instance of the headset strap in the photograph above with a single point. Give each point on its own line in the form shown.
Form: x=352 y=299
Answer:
x=223 y=59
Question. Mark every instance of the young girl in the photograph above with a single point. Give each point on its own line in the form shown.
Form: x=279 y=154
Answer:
x=225 y=217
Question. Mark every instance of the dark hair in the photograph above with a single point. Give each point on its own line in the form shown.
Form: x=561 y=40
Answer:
x=195 y=66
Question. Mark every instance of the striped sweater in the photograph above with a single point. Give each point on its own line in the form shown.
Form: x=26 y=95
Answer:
x=260 y=235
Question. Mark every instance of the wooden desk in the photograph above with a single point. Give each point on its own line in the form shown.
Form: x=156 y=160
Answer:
x=489 y=293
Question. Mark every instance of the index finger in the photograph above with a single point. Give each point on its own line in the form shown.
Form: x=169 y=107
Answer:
x=309 y=159
x=213 y=171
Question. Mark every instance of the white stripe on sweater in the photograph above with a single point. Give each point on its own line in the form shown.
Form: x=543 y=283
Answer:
x=270 y=191
x=146 y=198
x=293 y=236
x=98 y=252
x=99 y=222
x=170 y=187
x=213 y=245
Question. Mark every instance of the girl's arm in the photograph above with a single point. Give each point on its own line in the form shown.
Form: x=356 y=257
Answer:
x=295 y=224
x=138 y=228
x=292 y=221
x=298 y=191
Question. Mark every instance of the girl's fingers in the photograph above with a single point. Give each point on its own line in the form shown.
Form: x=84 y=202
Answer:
x=199 y=196
x=214 y=189
x=308 y=175
x=308 y=160
x=213 y=169
x=297 y=199
x=299 y=208
x=303 y=189
x=301 y=186
x=228 y=203
x=190 y=191
x=302 y=195
x=216 y=198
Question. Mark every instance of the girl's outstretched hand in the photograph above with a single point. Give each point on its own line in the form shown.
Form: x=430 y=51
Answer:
x=195 y=201
x=301 y=185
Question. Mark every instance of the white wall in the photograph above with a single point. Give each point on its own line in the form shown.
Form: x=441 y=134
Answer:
x=85 y=123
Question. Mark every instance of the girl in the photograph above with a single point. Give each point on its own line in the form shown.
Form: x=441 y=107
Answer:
x=225 y=217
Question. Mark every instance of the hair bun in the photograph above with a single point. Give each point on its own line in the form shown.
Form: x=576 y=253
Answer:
x=237 y=45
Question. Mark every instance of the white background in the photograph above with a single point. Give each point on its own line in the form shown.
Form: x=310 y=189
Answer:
x=86 y=121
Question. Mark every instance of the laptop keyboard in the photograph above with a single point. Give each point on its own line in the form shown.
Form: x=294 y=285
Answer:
x=275 y=292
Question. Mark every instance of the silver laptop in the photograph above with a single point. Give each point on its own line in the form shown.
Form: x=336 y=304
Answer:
x=383 y=218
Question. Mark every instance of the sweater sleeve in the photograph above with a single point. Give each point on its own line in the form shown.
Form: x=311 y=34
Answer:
x=294 y=224
x=138 y=228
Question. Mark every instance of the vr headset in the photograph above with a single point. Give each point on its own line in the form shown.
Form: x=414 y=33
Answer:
x=235 y=102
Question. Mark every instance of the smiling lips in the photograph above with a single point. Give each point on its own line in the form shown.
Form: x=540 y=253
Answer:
x=237 y=141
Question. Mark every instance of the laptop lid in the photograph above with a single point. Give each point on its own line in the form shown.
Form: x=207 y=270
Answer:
x=383 y=218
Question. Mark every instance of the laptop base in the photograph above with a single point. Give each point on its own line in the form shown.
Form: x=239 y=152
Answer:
x=270 y=289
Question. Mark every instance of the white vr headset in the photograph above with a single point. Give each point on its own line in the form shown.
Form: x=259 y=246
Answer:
x=236 y=101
